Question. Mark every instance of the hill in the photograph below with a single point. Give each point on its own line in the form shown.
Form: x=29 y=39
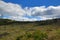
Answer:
x=28 y=30
x=42 y=22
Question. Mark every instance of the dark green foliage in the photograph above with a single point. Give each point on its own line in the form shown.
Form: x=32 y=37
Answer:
x=19 y=37
x=38 y=35
x=43 y=22
x=28 y=35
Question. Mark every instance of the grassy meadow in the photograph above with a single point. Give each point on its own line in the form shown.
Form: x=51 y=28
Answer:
x=30 y=31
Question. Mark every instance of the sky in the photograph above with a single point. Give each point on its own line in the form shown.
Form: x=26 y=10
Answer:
x=33 y=3
x=29 y=10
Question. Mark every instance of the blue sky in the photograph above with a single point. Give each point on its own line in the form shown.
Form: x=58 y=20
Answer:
x=33 y=3
x=30 y=10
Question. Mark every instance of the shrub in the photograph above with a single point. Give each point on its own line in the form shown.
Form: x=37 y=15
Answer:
x=38 y=35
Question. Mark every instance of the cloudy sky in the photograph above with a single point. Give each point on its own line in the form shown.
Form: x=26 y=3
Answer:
x=29 y=10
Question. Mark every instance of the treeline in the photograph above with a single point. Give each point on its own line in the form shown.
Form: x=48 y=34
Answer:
x=43 y=22
x=48 y=22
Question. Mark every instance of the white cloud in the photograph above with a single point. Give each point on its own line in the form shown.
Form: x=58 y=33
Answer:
x=16 y=12
x=11 y=9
